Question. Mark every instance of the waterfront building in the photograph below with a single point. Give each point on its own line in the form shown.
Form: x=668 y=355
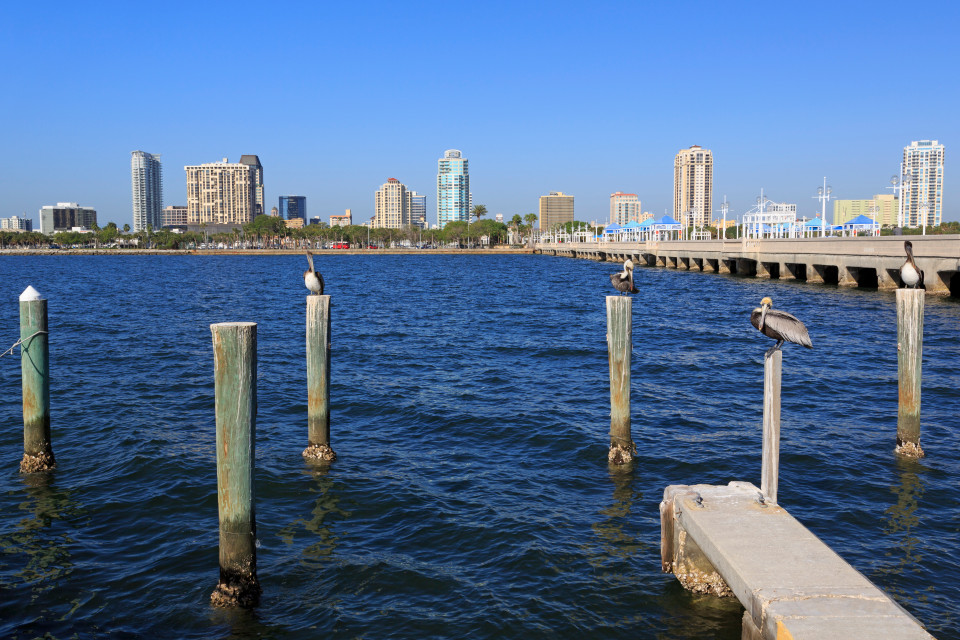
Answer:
x=624 y=208
x=16 y=223
x=259 y=197
x=294 y=223
x=221 y=193
x=293 y=207
x=315 y=220
x=418 y=209
x=146 y=177
x=274 y=212
x=65 y=216
x=453 y=188
x=555 y=208
x=174 y=216
x=922 y=183
x=646 y=215
x=883 y=208
x=499 y=218
x=392 y=205
x=342 y=221
x=693 y=186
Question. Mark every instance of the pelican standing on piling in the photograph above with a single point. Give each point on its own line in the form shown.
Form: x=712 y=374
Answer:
x=312 y=278
x=910 y=273
x=622 y=281
x=779 y=325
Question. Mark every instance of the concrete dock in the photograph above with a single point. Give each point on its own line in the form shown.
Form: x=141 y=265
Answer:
x=729 y=540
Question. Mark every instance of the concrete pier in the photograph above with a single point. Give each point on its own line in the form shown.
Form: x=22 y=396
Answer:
x=729 y=540
x=846 y=262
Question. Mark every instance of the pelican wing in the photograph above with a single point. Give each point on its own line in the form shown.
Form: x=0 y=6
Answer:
x=787 y=326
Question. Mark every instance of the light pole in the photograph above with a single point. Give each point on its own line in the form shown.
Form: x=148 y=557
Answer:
x=824 y=195
x=898 y=184
x=724 y=209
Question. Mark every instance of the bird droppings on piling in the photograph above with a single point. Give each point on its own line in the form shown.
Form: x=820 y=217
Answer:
x=42 y=461
x=320 y=452
x=909 y=449
x=241 y=590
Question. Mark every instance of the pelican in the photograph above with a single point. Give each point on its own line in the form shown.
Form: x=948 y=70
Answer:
x=910 y=272
x=312 y=278
x=623 y=281
x=779 y=325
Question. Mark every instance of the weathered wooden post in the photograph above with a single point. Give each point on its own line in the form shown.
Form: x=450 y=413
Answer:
x=909 y=360
x=619 y=348
x=235 y=379
x=35 y=372
x=318 y=379
x=770 y=465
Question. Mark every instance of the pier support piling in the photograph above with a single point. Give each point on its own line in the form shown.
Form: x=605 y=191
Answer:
x=235 y=382
x=35 y=372
x=770 y=465
x=909 y=360
x=619 y=349
x=318 y=379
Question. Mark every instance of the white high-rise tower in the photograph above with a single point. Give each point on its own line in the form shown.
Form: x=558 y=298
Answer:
x=146 y=177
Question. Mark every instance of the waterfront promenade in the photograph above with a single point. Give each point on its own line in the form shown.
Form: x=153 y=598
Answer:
x=848 y=262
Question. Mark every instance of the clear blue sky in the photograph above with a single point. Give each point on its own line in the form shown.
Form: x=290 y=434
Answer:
x=585 y=98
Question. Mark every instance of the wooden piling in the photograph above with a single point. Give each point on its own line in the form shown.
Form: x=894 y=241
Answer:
x=318 y=379
x=909 y=360
x=619 y=348
x=35 y=373
x=770 y=465
x=235 y=376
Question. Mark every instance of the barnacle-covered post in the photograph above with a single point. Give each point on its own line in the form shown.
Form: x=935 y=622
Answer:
x=235 y=382
x=909 y=361
x=35 y=371
x=619 y=348
x=318 y=379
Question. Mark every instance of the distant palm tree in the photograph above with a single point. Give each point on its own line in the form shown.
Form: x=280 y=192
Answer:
x=478 y=211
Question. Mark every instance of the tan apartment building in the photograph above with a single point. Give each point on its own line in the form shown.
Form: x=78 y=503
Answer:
x=173 y=216
x=693 y=186
x=883 y=207
x=922 y=183
x=221 y=193
x=342 y=221
x=393 y=206
x=555 y=208
x=624 y=208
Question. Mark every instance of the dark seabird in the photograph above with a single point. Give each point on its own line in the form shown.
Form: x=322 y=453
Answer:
x=779 y=325
x=312 y=278
x=623 y=281
x=910 y=273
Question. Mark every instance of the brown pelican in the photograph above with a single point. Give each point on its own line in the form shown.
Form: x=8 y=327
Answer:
x=910 y=273
x=623 y=280
x=779 y=325
x=312 y=278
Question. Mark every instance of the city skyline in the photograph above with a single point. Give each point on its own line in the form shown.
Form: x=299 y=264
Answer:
x=760 y=106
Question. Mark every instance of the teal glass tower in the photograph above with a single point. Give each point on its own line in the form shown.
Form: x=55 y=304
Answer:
x=453 y=188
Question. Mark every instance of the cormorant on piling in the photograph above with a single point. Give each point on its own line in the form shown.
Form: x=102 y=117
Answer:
x=779 y=325
x=623 y=280
x=312 y=278
x=910 y=273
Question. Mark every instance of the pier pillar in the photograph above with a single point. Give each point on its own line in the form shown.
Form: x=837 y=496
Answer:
x=235 y=390
x=318 y=379
x=770 y=464
x=815 y=273
x=846 y=277
x=761 y=270
x=786 y=271
x=619 y=350
x=710 y=265
x=886 y=280
x=723 y=266
x=35 y=376
x=909 y=360
x=683 y=263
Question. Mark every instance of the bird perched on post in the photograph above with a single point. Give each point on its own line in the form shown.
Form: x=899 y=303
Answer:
x=910 y=273
x=779 y=325
x=312 y=278
x=622 y=281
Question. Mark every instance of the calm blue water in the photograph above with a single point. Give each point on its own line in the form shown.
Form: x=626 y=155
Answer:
x=470 y=412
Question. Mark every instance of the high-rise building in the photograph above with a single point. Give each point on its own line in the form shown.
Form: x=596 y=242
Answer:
x=693 y=186
x=922 y=183
x=16 y=223
x=293 y=207
x=624 y=208
x=221 y=193
x=65 y=216
x=453 y=188
x=883 y=207
x=418 y=209
x=259 y=200
x=556 y=208
x=392 y=205
x=146 y=177
x=174 y=216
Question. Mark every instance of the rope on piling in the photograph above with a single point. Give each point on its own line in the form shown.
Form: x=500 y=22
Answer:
x=20 y=342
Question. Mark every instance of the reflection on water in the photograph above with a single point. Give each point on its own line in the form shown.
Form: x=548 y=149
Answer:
x=616 y=540
x=37 y=553
x=901 y=520
x=318 y=524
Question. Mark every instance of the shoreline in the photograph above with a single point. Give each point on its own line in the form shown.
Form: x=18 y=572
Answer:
x=260 y=252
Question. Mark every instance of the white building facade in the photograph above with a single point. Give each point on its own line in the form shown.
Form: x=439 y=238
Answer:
x=922 y=194
x=146 y=179
x=624 y=208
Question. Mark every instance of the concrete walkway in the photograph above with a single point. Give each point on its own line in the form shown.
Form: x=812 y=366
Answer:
x=724 y=539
